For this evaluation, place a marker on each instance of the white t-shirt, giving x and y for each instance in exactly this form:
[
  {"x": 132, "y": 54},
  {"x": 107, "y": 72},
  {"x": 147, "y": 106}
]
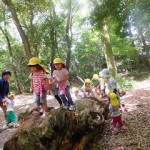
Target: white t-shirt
[
  {"x": 59, "y": 75},
  {"x": 9, "y": 105}
]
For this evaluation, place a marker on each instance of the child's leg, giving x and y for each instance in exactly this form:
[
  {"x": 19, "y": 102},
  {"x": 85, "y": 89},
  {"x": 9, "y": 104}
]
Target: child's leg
[
  {"x": 68, "y": 95},
  {"x": 58, "y": 99},
  {"x": 120, "y": 121},
  {"x": 43, "y": 102},
  {"x": 64, "y": 99},
  {"x": 115, "y": 120},
  {"x": 37, "y": 99}
]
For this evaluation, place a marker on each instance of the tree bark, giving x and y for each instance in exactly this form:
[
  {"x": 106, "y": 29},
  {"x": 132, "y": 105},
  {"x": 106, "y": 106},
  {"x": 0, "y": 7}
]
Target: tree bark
[
  {"x": 22, "y": 34},
  {"x": 108, "y": 49},
  {"x": 53, "y": 37},
  {"x": 60, "y": 129},
  {"x": 5, "y": 33},
  {"x": 69, "y": 34}
]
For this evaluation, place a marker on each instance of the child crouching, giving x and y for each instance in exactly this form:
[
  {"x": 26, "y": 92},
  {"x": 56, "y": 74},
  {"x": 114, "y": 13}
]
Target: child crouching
[{"x": 11, "y": 119}]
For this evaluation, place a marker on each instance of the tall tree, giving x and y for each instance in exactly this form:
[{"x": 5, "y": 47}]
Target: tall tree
[
  {"x": 69, "y": 33},
  {"x": 100, "y": 19},
  {"x": 6, "y": 34},
  {"x": 108, "y": 49},
  {"x": 19, "y": 27}
]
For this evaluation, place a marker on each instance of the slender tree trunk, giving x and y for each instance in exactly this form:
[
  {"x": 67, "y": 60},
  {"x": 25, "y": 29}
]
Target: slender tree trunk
[
  {"x": 69, "y": 34},
  {"x": 137, "y": 58},
  {"x": 19, "y": 28},
  {"x": 108, "y": 49},
  {"x": 5, "y": 33},
  {"x": 145, "y": 46},
  {"x": 53, "y": 37}
]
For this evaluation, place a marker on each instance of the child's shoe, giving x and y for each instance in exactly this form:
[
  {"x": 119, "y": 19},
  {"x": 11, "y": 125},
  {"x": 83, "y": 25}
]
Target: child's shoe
[
  {"x": 15, "y": 125},
  {"x": 72, "y": 108},
  {"x": 5, "y": 126},
  {"x": 10, "y": 125},
  {"x": 115, "y": 131},
  {"x": 44, "y": 115},
  {"x": 65, "y": 107}
]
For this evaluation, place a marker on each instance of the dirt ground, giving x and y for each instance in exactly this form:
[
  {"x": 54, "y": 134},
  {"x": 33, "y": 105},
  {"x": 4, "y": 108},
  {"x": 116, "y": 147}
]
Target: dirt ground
[{"x": 137, "y": 121}]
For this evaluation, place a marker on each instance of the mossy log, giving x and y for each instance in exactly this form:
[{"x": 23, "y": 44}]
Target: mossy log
[{"x": 60, "y": 129}]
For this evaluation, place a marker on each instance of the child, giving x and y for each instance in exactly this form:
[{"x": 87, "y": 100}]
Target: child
[
  {"x": 61, "y": 76},
  {"x": 11, "y": 119},
  {"x": 96, "y": 83},
  {"x": 39, "y": 83},
  {"x": 87, "y": 88},
  {"x": 115, "y": 112}
]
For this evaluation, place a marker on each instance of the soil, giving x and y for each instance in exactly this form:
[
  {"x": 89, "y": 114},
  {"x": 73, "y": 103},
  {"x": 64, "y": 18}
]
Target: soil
[
  {"x": 136, "y": 119},
  {"x": 137, "y": 122}
]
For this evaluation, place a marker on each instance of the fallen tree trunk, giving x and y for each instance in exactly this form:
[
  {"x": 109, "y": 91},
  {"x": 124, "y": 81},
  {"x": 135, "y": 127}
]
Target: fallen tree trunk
[{"x": 60, "y": 129}]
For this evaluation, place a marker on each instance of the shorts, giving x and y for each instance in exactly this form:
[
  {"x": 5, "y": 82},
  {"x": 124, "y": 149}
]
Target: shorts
[
  {"x": 38, "y": 100},
  {"x": 10, "y": 116}
]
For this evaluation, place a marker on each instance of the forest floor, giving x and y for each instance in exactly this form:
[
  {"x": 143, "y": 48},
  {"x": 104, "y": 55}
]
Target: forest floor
[{"x": 137, "y": 121}]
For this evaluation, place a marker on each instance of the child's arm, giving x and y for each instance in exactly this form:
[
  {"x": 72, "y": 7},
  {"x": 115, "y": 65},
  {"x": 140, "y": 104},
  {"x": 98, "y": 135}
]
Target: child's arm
[{"x": 5, "y": 102}]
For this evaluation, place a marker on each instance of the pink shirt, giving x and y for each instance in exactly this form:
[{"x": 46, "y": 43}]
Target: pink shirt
[
  {"x": 59, "y": 75},
  {"x": 38, "y": 80}
]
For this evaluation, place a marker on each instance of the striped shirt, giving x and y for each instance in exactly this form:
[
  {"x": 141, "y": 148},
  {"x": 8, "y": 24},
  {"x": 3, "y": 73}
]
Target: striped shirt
[{"x": 38, "y": 79}]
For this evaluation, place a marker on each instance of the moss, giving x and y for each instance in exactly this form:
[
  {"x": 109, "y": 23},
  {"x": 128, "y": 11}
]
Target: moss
[
  {"x": 22, "y": 139},
  {"x": 79, "y": 106}
]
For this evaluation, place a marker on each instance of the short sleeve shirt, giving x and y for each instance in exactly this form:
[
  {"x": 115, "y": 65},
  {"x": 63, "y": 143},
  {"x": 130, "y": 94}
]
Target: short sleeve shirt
[
  {"x": 59, "y": 74},
  {"x": 37, "y": 79}
]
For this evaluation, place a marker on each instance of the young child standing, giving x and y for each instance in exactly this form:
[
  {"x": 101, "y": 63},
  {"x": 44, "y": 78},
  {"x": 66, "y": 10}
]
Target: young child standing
[
  {"x": 115, "y": 112},
  {"x": 11, "y": 119},
  {"x": 39, "y": 83},
  {"x": 61, "y": 76}
]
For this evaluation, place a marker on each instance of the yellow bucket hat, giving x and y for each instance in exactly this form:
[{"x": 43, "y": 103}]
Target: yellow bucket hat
[
  {"x": 57, "y": 61},
  {"x": 87, "y": 81},
  {"x": 113, "y": 99},
  {"x": 35, "y": 61}
]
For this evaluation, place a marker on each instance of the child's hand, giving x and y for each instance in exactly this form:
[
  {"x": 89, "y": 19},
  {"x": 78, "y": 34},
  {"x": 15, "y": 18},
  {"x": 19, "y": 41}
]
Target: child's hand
[{"x": 4, "y": 100}]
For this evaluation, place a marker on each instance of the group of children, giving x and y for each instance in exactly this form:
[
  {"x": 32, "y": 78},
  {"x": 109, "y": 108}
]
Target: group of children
[
  {"x": 105, "y": 86},
  {"x": 41, "y": 82}
]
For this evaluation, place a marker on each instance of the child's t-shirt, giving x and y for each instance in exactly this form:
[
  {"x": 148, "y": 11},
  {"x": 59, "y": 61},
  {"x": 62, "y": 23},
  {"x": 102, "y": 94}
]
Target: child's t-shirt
[
  {"x": 59, "y": 74},
  {"x": 115, "y": 110},
  {"x": 37, "y": 80},
  {"x": 9, "y": 105}
]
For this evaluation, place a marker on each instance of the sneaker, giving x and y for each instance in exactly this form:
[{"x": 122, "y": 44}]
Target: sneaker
[
  {"x": 43, "y": 116},
  {"x": 16, "y": 125},
  {"x": 5, "y": 126},
  {"x": 10, "y": 125},
  {"x": 65, "y": 107},
  {"x": 115, "y": 131},
  {"x": 72, "y": 107}
]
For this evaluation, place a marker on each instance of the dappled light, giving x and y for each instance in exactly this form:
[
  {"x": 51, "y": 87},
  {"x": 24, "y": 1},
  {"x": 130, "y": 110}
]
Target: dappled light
[{"x": 75, "y": 74}]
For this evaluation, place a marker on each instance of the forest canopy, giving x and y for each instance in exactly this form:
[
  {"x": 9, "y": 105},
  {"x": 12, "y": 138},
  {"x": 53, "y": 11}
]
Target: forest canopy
[{"x": 88, "y": 35}]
